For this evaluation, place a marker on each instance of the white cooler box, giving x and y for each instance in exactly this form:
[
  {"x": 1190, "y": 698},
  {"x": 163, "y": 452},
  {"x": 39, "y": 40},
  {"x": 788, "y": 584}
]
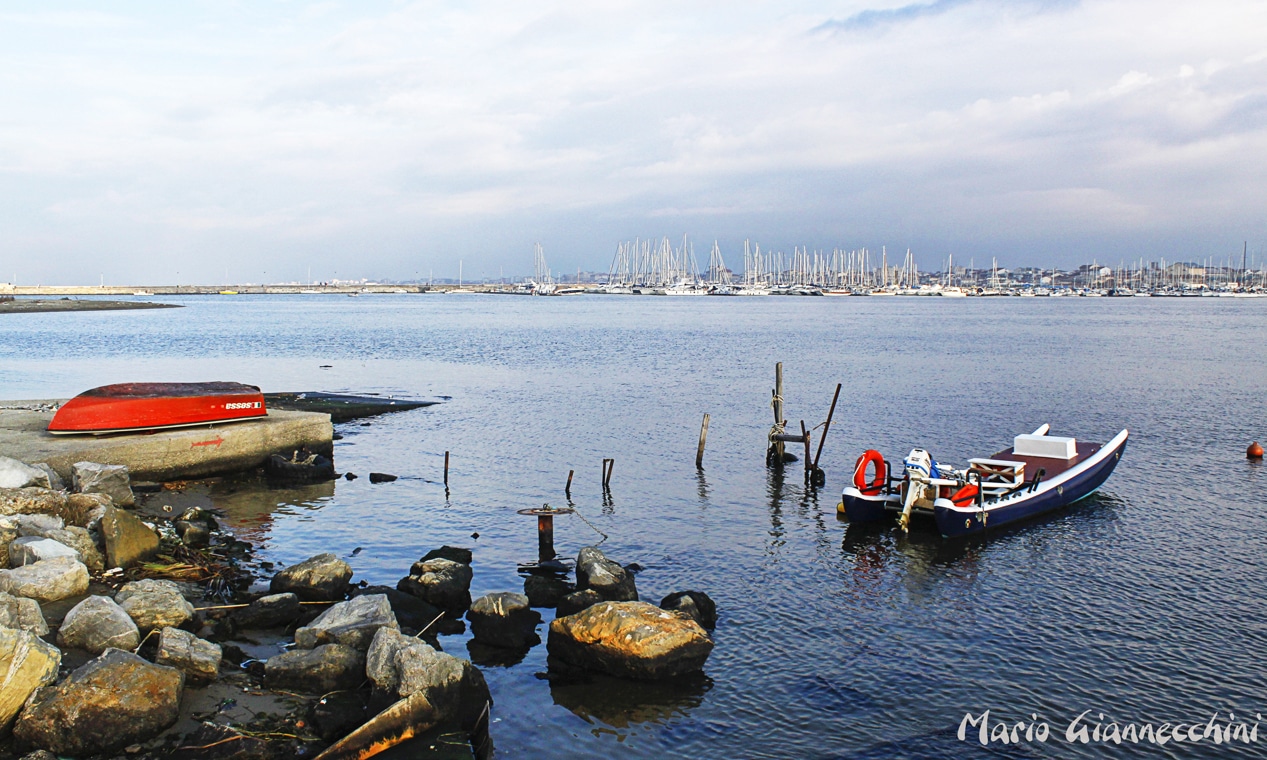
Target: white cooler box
[{"x": 1050, "y": 446}]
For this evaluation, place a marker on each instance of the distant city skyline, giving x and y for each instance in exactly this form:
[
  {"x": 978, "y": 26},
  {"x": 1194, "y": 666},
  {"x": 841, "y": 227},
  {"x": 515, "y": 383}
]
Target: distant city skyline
[{"x": 153, "y": 143}]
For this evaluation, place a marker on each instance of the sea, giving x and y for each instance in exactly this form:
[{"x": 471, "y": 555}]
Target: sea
[{"x": 1143, "y": 605}]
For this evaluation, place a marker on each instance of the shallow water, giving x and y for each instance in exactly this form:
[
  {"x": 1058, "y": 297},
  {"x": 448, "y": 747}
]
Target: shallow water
[{"x": 1142, "y": 603}]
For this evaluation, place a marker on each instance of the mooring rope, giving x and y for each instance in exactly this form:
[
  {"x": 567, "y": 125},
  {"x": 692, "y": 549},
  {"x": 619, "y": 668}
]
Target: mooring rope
[{"x": 577, "y": 512}]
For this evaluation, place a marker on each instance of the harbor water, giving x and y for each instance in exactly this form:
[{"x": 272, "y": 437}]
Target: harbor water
[{"x": 1143, "y": 603}]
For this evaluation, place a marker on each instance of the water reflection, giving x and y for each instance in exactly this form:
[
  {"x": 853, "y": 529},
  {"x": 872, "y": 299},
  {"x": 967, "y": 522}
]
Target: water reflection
[
  {"x": 617, "y": 706},
  {"x": 248, "y": 504}
]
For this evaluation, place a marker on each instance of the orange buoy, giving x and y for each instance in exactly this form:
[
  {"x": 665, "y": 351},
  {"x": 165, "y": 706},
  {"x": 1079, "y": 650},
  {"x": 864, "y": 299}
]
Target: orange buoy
[{"x": 1254, "y": 451}]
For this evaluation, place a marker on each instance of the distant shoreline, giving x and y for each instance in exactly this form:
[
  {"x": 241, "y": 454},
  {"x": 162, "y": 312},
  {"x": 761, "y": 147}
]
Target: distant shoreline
[{"x": 29, "y": 306}]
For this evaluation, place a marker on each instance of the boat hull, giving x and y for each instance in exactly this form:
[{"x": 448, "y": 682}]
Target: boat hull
[{"x": 131, "y": 407}]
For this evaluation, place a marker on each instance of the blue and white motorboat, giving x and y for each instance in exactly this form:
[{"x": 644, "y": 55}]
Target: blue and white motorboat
[{"x": 1037, "y": 474}]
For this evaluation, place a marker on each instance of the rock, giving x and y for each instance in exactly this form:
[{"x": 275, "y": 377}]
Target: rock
[
  {"x": 30, "y": 501},
  {"x": 109, "y": 479},
  {"x": 37, "y": 524},
  {"x": 272, "y": 611},
  {"x": 402, "y": 666},
  {"x": 86, "y": 509},
  {"x": 8, "y": 534},
  {"x": 453, "y": 553},
  {"x": 127, "y": 539},
  {"x": 29, "y": 549},
  {"x": 317, "y": 671},
  {"x": 381, "y": 477},
  {"x": 54, "y": 480},
  {"x": 352, "y": 623},
  {"x": 26, "y": 663},
  {"x": 15, "y": 474},
  {"x": 154, "y": 604},
  {"x": 442, "y": 582},
  {"x": 189, "y": 654},
  {"x": 39, "y": 754},
  {"x": 82, "y": 542},
  {"x": 97, "y": 624},
  {"x": 336, "y": 715},
  {"x": 193, "y": 534},
  {"x": 46, "y": 581},
  {"x": 504, "y": 620},
  {"x": 323, "y": 578},
  {"x": 212, "y": 741},
  {"x": 610, "y": 580},
  {"x": 577, "y": 601},
  {"x": 22, "y": 614},
  {"x": 410, "y": 611},
  {"x": 631, "y": 640},
  {"x": 108, "y": 703},
  {"x": 697, "y": 604},
  {"x": 546, "y": 592}
]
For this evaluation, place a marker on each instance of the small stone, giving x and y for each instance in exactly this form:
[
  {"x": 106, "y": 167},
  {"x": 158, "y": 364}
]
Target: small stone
[
  {"x": 22, "y": 614},
  {"x": 577, "y": 601},
  {"x": 109, "y": 479},
  {"x": 504, "y": 620},
  {"x": 327, "y": 668},
  {"x": 191, "y": 655},
  {"x": 86, "y": 509},
  {"x": 46, "y": 581},
  {"x": 352, "y": 623},
  {"x": 451, "y": 553},
  {"x": 97, "y": 624},
  {"x": 193, "y": 534},
  {"x": 272, "y": 611},
  {"x": 30, "y": 549},
  {"x": 323, "y": 578},
  {"x": 410, "y": 611},
  {"x": 381, "y": 477},
  {"x": 696, "y": 604},
  {"x": 108, "y": 703},
  {"x": 154, "y": 604},
  {"x": 26, "y": 663},
  {"x": 127, "y": 539}
]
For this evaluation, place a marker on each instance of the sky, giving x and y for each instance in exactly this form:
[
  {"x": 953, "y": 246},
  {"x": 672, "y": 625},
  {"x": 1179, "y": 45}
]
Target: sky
[{"x": 234, "y": 142}]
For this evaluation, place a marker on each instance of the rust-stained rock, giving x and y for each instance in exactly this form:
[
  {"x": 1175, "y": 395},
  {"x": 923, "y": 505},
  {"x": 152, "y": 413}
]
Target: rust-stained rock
[
  {"x": 630, "y": 639},
  {"x": 127, "y": 539},
  {"x": 110, "y": 702},
  {"x": 26, "y": 663}
]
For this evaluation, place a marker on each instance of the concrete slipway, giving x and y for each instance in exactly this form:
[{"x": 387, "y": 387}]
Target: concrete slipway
[{"x": 162, "y": 455}]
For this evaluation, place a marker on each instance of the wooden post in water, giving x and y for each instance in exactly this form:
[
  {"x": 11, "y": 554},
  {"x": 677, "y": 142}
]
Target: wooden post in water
[
  {"x": 805, "y": 436},
  {"x": 608, "y": 466},
  {"x": 703, "y": 437},
  {"x": 779, "y": 422},
  {"x": 567, "y": 490},
  {"x": 446, "y": 469}
]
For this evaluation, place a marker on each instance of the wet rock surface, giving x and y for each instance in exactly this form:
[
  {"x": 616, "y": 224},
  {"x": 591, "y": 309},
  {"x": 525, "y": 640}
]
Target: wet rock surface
[
  {"x": 631, "y": 640},
  {"x": 321, "y": 578},
  {"x": 107, "y": 704},
  {"x": 595, "y": 571},
  {"x": 352, "y": 623},
  {"x": 577, "y": 601},
  {"x": 543, "y": 591},
  {"x": 272, "y": 611},
  {"x": 441, "y": 582},
  {"x": 317, "y": 671},
  {"x": 698, "y": 605},
  {"x": 504, "y": 620}
]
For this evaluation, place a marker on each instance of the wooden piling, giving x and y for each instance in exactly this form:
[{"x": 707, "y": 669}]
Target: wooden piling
[
  {"x": 779, "y": 422},
  {"x": 703, "y": 438},
  {"x": 817, "y": 477},
  {"x": 446, "y": 469},
  {"x": 608, "y": 466},
  {"x": 567, "y": 490},
  {"x": 805, "y": 436}
]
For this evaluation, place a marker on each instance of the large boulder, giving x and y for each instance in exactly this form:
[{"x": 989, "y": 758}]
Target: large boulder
[
  {"x": 352, "y": 623},
  {"x": 15, "y": 474},
  {"x": 327, "y": 668},
  {"x": 412, "y": 612},
  {"x": 698, "y": 605},
  {"x": 109, "y": 479},
  {"x": 26, "y": 663},
  {"x": 401, "y": 666},
  {"x": 46, "y": 581},
  {"x": 442, "y": 582},
  {"x": 127, "y": 539},
  {"x": 197, "y": 659},
  {"x": 97, "y": 624},
  {"x": 631, "y": 640},
  {"x": 108, "y": 703},
  {"x": 323, "y": 578},
  {"x": 154, "y": 604},
  {"x": 31, "y": 549},
  {"x": 504, "y": 620},
  {"x": 272, "y": 611},
  {"x": 609, "y": 579},
  {"x": 22, "y": 614}
]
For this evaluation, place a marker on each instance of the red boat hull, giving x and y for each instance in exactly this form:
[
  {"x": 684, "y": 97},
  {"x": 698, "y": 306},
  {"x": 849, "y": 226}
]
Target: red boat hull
[{"x": 128, "y": 407}]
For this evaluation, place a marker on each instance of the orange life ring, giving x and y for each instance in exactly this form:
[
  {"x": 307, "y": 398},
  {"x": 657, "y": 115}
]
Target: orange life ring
[
  {"x": 965, "y": 496},
  {"x": 870, "y": 456}
]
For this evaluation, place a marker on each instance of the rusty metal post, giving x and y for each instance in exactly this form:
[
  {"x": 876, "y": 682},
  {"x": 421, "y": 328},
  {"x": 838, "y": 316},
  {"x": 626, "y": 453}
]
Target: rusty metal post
[{"x": 545, "y": 538}]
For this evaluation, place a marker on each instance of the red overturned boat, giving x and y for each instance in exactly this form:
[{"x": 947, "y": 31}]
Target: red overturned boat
[{"x": 131, "y": 407}]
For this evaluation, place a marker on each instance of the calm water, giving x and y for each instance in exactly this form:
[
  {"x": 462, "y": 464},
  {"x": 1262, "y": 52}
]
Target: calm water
[{"x": 1144, "y": 603}]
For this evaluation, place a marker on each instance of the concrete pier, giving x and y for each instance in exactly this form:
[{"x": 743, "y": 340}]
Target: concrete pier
[{"x": 162, "y": 455}]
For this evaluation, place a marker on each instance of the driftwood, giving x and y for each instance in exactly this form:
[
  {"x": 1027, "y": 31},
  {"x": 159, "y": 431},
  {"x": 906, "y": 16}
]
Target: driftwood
[{"x": 399, "y": 723}]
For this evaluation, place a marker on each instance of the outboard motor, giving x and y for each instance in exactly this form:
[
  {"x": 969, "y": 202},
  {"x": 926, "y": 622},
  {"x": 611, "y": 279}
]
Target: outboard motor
[{"x": 920, "y": 469}]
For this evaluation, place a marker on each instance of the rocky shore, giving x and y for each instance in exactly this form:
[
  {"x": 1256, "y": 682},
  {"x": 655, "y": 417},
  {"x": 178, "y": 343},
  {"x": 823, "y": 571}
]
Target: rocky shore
[
  {"x": 35, "y": 305},
  {"x": 125, "y": 634}
]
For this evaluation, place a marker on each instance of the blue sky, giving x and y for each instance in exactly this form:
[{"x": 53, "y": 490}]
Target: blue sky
[{"x": 164, "y": 142}]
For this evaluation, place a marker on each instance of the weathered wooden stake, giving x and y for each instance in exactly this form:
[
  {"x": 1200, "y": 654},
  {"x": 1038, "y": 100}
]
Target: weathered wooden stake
[
  {"x": 567, "y": 490},
  {"x": 826, "y": 426},
  {"x": 703, "y": 437},
  {"x": 446, "y": 469},
  {"x": 778, "y": 410},
  {"x": 608, "y": 466},
  {"x": 805, "y": 436}
]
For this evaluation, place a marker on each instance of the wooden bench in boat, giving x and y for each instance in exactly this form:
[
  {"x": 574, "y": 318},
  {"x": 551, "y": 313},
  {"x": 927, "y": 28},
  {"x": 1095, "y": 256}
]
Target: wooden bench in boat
[{"x": 998, "y": 474}]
